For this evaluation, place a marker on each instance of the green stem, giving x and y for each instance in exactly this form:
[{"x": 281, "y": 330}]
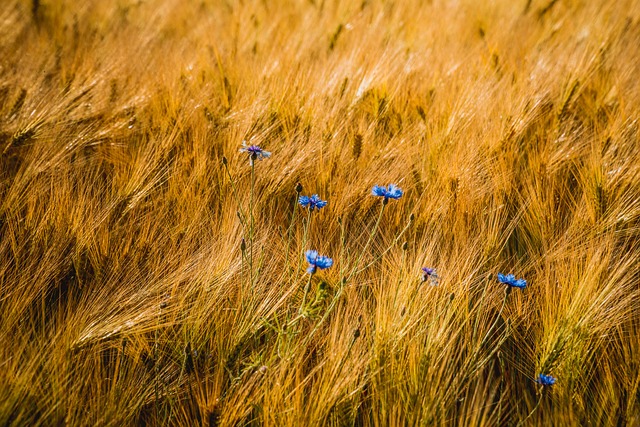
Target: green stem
[
  {"x": 235, "y": 196},
  {"x": 326, "y": 314},
  {"x": 293, "y": 218},
  {"x": 306, "y": 292},
  {"x": 304, "y": 241},
  {"x": 343, "y": 281},
  {"x": 253, "y": 180},
  {"x": 243, "y": 260}
]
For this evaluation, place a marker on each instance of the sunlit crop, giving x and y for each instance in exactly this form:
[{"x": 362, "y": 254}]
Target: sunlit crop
[{"x": 319, "y": 212}]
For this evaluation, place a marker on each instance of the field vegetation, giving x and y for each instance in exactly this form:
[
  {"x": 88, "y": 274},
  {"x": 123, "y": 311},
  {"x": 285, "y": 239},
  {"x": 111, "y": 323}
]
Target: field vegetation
[{"x": 151, "y": 273}]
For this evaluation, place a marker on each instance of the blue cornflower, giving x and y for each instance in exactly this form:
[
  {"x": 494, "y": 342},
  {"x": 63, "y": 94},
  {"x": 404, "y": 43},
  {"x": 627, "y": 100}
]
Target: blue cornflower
[
  {"x": 429, "y": 274},
  {"x": 317, "y": 261},
  {"x": 545, "y": 380},
  {"x": 312, "y": 202},
  {"x": 390, "y": 192},
  {"x": 255, "y": 152},
  {"x": 510, "y": 280}
]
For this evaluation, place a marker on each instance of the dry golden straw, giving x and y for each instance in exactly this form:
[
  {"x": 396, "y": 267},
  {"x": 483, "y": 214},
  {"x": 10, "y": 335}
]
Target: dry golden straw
[{"x": 145, "y": 281}]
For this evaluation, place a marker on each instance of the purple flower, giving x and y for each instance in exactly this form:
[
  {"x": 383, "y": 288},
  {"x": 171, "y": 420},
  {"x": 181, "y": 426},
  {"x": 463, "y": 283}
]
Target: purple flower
[
  {"x": 510, "y": 280},
  {"x": 255, "y": 152},
  {"x": 428, "y": 271},
  {"x": 317, "y": 261},
  {"x": 429, "y": 274},
  {"x": 390, "y": 192},
  {"x": 312, "y": 202},
  {"x": 545, "y": 380}
]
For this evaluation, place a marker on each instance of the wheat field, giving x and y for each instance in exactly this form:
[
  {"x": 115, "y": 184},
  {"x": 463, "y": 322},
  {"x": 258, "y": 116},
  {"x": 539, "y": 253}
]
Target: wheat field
[{"x": 151, "y": 273}]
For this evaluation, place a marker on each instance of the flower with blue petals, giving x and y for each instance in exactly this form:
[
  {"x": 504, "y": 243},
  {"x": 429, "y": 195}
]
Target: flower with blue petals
[
  {"x": 255, "y": 152},
  {"x": 389, "y": 192},
  {"x": 429, "y": 274},
  {"x": 511, "y": 281},
  {"x": 312, "y": 202},
  {"x": 317, "y": 261},
  {"x": 545, "y": 380}
]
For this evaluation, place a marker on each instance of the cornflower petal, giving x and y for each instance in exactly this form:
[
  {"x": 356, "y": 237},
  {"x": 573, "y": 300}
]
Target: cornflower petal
[
  {"x": 511, "y": 281},
  {"x": 304, "y": 200},
  {"x": 428, "y": 271},
  {"x": 390, "y": 192},
  {"x": 317, "y": 261},
  {"x": 429, "y": 274},
  {"x": 313, "y": 202},
  {"x": 379, "y": 191},
  {"x": 254, "y": 150},
  {"x": 545, "y": 380},
  {"x": 311, "y": 256}
]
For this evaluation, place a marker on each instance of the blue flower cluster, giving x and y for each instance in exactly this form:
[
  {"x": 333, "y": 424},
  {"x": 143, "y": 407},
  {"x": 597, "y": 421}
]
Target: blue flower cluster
[
  {"x": 545, "y": 380},
  {"x": 312, "y": 202},
  {"x": 429, "y": 274},
  {"x": 317, "y": 261},
  {"x": 511, "y": 281},
  {"x": 391, "y": 191}
]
